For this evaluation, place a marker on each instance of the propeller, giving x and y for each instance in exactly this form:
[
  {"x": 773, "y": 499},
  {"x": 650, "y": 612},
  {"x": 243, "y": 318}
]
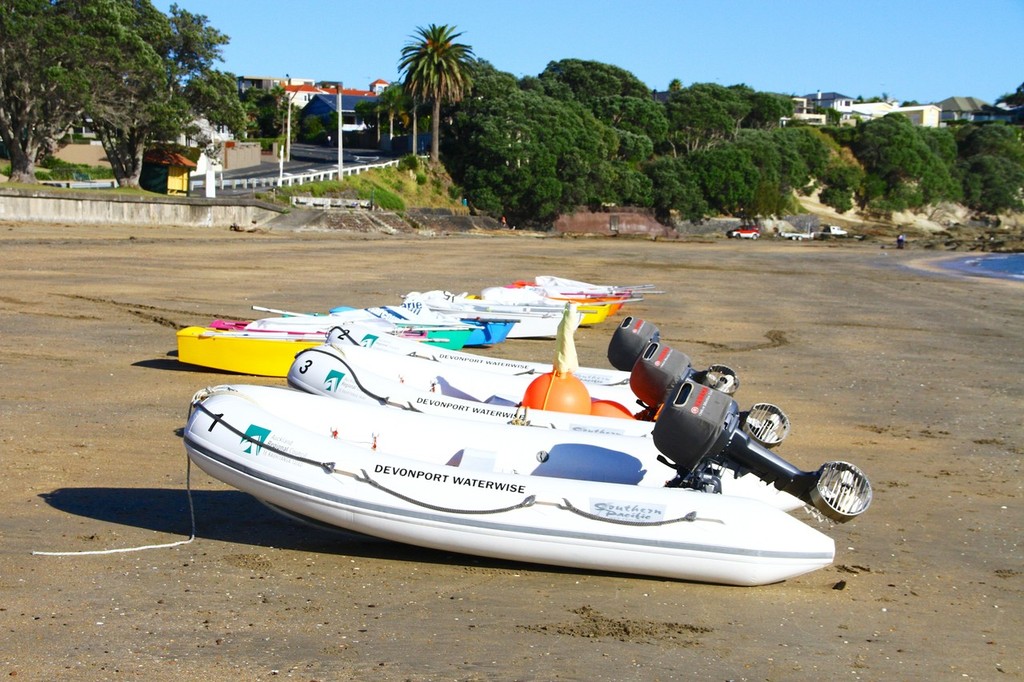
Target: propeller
[{"x": 698, "y": 425}]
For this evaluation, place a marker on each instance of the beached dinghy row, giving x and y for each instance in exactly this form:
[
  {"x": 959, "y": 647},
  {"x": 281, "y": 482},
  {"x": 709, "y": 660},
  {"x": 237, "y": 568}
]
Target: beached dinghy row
[{"x": 648, "y": 468}]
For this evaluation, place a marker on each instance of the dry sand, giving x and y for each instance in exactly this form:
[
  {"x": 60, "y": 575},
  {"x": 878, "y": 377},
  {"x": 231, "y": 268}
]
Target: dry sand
[{"x": 914, "y": 375}]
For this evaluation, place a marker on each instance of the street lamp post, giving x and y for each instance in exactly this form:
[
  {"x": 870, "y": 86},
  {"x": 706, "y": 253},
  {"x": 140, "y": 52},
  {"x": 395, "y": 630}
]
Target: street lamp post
[
  {"x": 288, "y": 132},
  {"x": 341, "y": 143}
]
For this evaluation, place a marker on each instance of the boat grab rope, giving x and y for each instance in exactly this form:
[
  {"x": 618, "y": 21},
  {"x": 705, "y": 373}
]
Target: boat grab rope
[
  {"x": 528, "y": 501},
  {"x": 199, "y": 395},
  {"x": 191, "y": 537},
  {"x": 688, "y": 518},
  {"x": 328, "y": 467},
  {"x": 381, "y": 399},
  {"x": 340, "y": 334}
]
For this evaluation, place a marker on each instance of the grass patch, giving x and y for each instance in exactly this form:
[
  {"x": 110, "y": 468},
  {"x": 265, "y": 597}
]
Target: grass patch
[{"x": 392, "y": 189}]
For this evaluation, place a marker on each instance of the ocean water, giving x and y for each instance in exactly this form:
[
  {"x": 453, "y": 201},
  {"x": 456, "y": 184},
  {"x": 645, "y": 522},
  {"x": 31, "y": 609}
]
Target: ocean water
[{"x": 1000, "y": 265}]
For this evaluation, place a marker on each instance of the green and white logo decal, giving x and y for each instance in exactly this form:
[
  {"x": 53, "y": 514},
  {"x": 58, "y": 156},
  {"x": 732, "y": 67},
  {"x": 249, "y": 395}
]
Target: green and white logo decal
[
  {"x": 255, "y": 435},
  {"x": 333, "y": 381},
  {"x": 368, "y": 340}
]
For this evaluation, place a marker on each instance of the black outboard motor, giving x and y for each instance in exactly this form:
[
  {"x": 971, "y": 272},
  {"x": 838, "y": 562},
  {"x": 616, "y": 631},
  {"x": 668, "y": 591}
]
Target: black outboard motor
[
  {"x": 700, "y": 428},
  {"x": 629, "y": 340},
  {"x": 656, "y": 370},
  {"x": 660, "y": 366}
]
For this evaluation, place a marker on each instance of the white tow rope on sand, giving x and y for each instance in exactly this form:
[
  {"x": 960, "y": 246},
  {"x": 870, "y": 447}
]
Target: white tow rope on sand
[{"x": 192, "y": 536}]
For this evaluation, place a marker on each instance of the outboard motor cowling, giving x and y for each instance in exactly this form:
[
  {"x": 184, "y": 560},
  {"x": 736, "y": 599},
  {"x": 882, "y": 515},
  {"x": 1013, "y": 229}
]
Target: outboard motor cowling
[
  {"x": 698, "y": 426},
  {"x": 657, "y": 369},
  {"x": 689, "y": 438},
  {"x": 629, "y": 340}
]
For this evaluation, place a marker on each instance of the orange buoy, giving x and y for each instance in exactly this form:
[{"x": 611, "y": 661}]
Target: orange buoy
[
  {"x": 609, "y": 408},
  {"x": 558, "y": 392}
]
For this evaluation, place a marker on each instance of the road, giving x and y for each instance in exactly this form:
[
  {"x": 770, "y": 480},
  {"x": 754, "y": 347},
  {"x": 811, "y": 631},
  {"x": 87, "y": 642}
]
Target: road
[{"x": 305, "y": 158}]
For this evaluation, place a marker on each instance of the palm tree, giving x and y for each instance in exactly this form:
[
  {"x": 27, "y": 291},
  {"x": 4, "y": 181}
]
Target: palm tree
[
  {"x": 392, "y": 103},
  {"x": 435, "y": 68}
]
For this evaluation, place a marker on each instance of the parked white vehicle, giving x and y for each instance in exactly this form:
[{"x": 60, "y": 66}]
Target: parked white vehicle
[
  {"x": 830, "y": 231},
  {"x": 825, "y": 232}
]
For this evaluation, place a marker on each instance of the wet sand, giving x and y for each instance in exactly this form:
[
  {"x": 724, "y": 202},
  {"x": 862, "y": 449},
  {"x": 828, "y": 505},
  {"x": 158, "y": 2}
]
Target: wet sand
[{"x": 913, "y": 374}]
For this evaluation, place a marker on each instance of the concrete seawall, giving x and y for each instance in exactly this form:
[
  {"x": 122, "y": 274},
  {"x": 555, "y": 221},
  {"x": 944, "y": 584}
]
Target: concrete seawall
[{"x": 102, "y": 208}]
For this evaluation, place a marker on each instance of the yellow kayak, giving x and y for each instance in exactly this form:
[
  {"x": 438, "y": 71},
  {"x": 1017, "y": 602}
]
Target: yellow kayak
[
  {"x": 256, "y": 353},
  {"x": 593, "y": 313}
]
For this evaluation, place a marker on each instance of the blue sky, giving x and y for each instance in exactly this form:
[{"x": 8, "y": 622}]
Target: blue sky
[{"x": 924, "y": 51}]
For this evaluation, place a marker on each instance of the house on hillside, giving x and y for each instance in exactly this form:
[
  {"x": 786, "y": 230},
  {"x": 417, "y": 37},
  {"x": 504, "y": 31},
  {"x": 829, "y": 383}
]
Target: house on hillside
[
  {"x": 842, "y": 104},
  {"x": 804, "y": 111},
  {"x": 830, "y": 100},
  {"x": 269, "y": 82},
  {"x": 325, "y": 103},
  {"x": 301, "y": 95},
  {"x": 924, "y": 115},
  {"x": 301, "y": 91},
  {"x": 977, "y": 111},
  {"x": 850, "y": 110}
]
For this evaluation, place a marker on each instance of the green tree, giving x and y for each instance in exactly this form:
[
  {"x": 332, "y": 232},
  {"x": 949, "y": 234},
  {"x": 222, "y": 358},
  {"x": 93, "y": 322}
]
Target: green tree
[
  {"x": 436, "y": 70},
  {"x": 586, "y": 81},
  {"x": 48, "y": 51},
  {"x": 674, "y": 190},
  {"x": 767, "y": 110},
  {"x": 265, "y": 111},
  {"x": 995, "y": 139},
  {"x": 312, "y": 130},
  {"x": 162, "y": 87},
  {"x": 1015, "y": 98},
  {"x": 728, "y": 179},
  {"x": 772, "y": 190},
  {"x": 992, "y": 184},
  {"x": 990, "y": 166},
  {"x": 531, "y": 157},
  {"x": 636, "y": 115},
  {"x": 841, "y": 178},
  {"x": 704, "y": 116},
  {"x": 393, "y": 103},
  {"x": 806, "y": 151},
  {"x": 902, "y": 170}
]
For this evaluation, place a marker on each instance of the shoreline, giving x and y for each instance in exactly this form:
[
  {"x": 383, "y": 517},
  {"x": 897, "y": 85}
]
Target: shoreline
[
  {"x": 972, "y": 267},
  {"x": 955, "y": 265}
]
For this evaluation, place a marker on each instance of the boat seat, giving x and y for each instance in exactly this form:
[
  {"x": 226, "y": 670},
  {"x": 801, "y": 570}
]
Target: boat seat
[
  {"x": 448, "y": 390},
  {"x": 585, "y": 462},
  {"x": 473, "y": 458}
]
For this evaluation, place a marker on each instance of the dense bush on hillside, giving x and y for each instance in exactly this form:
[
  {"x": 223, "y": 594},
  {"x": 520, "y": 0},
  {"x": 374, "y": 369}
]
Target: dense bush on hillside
[{"x": 586, "y": 133}]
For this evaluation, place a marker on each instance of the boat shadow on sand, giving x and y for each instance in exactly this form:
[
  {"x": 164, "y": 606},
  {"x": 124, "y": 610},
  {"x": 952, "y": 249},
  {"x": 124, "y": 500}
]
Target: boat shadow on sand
[
  {"x": 171, "y": 363},
  {"x": 235, "y": 517}
]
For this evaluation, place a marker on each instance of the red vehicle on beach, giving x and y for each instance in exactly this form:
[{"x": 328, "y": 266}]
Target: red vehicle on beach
[{"x": 745, "y": 232}]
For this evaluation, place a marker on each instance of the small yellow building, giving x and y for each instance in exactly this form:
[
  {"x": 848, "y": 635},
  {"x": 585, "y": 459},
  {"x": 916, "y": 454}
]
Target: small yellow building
[{"x": 166, "y": 172}]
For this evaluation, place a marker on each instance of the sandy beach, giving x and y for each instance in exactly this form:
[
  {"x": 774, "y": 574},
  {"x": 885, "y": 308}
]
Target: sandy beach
[{"x": 879, "y": 358}]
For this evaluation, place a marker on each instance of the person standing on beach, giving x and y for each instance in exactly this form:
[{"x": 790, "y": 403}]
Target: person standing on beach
[{"x": 900, "y": 241}]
